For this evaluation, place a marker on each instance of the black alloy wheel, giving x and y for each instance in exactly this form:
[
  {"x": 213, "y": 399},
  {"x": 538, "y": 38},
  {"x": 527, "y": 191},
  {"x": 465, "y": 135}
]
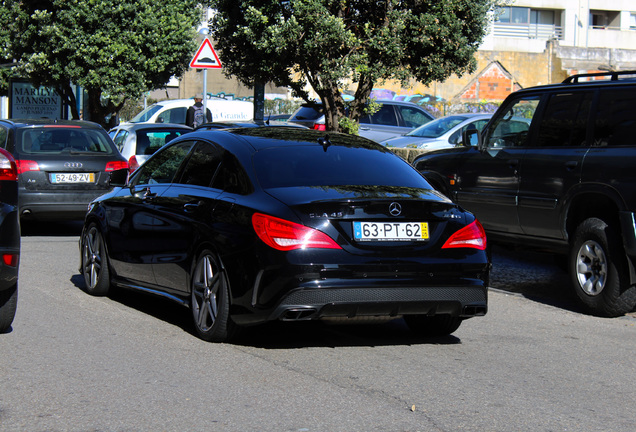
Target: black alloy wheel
[
  {"x": 209, "y": 300},
  {"x": 598, "y": 270},
  {"x": 95, "y": 262}
]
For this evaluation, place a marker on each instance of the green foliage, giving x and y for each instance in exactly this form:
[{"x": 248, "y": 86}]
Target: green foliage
[
  {"x": 330, "y": 43},
  {"x": 114, "y": 49}
]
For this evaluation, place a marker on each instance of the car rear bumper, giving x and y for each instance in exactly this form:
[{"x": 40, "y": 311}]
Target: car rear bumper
[{"x": 56, "y": 205}]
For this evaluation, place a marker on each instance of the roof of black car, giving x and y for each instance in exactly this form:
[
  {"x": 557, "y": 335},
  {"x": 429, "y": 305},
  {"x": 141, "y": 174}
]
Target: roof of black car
[
  {"x": 265, "y": 137},
  {"x": 45, "y": 122}
]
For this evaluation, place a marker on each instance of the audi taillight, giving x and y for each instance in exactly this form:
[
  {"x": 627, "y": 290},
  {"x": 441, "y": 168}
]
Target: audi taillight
[
  {"x": 116, "y": 165},
  {"x": 8, "y": 166},
  {"x": 285, "y": 235},
  {"x": 26, "y": 166},
  {"x": 471, "y": 236},
  {"x": 320, "y": 127}
]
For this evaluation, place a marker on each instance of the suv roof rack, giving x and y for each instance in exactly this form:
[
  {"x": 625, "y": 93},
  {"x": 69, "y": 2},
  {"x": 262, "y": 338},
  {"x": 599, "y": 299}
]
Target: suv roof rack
[{"x": 613, "y": 76}]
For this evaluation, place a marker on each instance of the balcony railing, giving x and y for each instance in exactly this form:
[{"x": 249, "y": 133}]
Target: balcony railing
[{"x": 528, "y": 31}]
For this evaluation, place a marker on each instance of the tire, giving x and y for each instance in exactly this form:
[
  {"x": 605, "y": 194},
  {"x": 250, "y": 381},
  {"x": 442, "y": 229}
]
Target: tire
[
  {"x": 95, "y": 262},
  {"x": 210, "y": 300},
  {"x": 8, "y": 306},
  {"x": 598, "y": 270},
  {"x": 433, "y": 326}
]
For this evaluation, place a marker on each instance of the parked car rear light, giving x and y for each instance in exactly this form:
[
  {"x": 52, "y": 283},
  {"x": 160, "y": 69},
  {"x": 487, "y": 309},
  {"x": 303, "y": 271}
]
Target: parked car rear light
[
  {"x": 285, "y": 235},
  {"x": 27, "y": 165},
  {"x": 116, "y": 165},
  {"x": 10, "y": 259},
  {"x": 8, "y": 167},
  {"x": 132, "y": 164},
  {"x": 320, "y": 127},
  {"x": 471, "y": 236}
]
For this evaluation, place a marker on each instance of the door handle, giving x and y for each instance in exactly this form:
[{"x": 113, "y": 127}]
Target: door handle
[
  {"x": 570, "y": 165},
  {"x": 190, "y": 207}
]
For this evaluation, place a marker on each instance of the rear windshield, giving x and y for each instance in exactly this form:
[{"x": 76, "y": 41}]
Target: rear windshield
[
  {"x": 337, "y": 166},
  {"x": 59, "y": 139},
  {"x": 308, "y": 113},
  {"x": 149, "y": 141}
]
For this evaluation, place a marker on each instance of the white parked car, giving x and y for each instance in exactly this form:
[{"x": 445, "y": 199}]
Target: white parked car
[
  {"x": 174, "y": 111},
  {"x": 137, "y": 141},
  {"x": 444, "y": 132}
]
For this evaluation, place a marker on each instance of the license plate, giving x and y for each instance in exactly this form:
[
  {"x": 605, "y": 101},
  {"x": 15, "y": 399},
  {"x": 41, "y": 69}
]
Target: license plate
[
  {"x": 73, "y": 178},
  {"x": 390, "y": 231}
]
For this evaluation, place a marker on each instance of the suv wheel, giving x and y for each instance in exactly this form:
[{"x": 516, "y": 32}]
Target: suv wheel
[{"x": 599, "y": 271}]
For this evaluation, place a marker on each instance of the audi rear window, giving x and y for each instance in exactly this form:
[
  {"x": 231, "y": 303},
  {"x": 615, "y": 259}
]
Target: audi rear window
[{"x": 59, "y": 140}]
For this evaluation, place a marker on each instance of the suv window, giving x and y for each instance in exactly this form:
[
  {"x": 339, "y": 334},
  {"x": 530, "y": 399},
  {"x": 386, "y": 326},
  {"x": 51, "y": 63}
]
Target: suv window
[
  {"x": 615, "y": 123},
  {"x": 412, "y": 117},
  {"x": 565, "y": 120},
  {"x": 510, "y": 127},
  {"x": 384, "y": 116}
]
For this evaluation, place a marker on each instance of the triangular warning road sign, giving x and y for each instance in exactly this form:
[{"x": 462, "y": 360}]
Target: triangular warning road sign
[{"x": 206, "y": 57}]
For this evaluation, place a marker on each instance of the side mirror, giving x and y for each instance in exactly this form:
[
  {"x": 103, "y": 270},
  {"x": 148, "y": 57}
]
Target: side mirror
[
  {"x": 118, "y": 178},
  {"x": 159, "y": 120},
  {"x": 471, "y": 137}
]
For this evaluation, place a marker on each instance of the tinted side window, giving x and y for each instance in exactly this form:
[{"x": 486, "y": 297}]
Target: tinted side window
[
  {"x": 565, "y": 120},
  {"x": 3, "y": 137},
  {"x": 120, "y": 138},
  {"x": 615, "y": 123},
  {"x": 173, "y": 115},
  {"x": 202, "y": 165},
  {"x": 413, "y": 117},
  {"x": 384, "y": 116},
  {"x": 510, "y": 127},
  {"x": 231, "y": 176},
  {"x": 163, "y": 166}
]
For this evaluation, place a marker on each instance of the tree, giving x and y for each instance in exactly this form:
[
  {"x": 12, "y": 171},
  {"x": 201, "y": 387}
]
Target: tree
[
  {"x": 329, "y": 43},
  {"x": 113, "y": 49}
]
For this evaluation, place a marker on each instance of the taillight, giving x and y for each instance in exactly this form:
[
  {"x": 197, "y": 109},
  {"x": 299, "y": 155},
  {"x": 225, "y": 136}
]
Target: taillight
[
  {"x": 116, "y": 165},
  {"x": 8, "y": 166},
  {"x": 10, "y": 259},
  {"x": 285, "y": 235},
  {"x": 27, "y": 165},
  {"x": 132, "y": 164},
  {"x": 471, "y": 236},
  {"x": 320, "y": 127}
]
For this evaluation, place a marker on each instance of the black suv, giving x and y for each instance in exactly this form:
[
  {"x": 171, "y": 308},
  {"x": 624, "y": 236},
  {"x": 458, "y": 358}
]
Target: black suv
[{"x": 564, "y": 183}]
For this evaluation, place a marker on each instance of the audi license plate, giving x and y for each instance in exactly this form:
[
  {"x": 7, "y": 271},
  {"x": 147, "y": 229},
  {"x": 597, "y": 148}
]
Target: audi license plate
[
  {"x": 395, "y": 231},
  {"x": 73, "y": 178}
]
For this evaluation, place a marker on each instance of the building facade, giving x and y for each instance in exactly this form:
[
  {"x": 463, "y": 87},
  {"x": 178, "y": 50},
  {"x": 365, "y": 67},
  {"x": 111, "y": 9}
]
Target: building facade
[{"x": 534, "y": 42}]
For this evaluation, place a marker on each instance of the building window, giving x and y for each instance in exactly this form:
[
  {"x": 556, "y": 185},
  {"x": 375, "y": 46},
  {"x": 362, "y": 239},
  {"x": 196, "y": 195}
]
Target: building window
[
  {"x": 513, "y": 15},
  {"x": 605, "y": 19},
  {"x": 632, "y": 21}
]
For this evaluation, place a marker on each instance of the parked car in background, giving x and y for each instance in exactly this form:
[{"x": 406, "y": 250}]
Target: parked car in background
[
  {"x": 444, "y": 132},
  {"x": 9, "y": 236},
  {"x": 251, "y": 225},
  {"x": 394, "y": 118},
  {"x": 137, "y": 141},
  {"x": 62, "y": 165},
  {"x": 175, "y": 110},
  {"x": 562, "y": 183}
]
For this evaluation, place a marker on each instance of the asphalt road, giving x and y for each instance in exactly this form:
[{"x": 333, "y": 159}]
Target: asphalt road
[{"x": 131, "y": 363}]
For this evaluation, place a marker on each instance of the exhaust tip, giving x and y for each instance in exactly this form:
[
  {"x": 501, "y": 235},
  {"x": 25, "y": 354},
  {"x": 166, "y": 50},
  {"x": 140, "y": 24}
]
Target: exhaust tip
[
  {"x": 471, "y": 311},
  {"x": 298, "y": 314}
]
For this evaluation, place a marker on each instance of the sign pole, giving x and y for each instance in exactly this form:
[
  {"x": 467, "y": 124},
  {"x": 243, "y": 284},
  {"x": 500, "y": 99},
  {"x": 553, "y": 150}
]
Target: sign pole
[{"x": 205, "y": 95}]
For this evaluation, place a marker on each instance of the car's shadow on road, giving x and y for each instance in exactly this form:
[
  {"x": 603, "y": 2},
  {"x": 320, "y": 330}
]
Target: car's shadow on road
[
  {"x": 282, "y": 335},
  {"x": 539, "y": 277},
  {"x": 50, "y": 228}
]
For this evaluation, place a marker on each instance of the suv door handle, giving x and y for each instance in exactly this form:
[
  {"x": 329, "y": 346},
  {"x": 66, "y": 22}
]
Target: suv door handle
[
  {"x": 570, "y": 165},
  {"x": 190, "y": 207}
]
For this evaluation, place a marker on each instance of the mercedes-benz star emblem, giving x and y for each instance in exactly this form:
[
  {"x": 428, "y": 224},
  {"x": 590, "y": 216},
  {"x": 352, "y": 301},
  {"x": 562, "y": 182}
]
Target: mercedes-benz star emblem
[{"x": 395, "y": 209}]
